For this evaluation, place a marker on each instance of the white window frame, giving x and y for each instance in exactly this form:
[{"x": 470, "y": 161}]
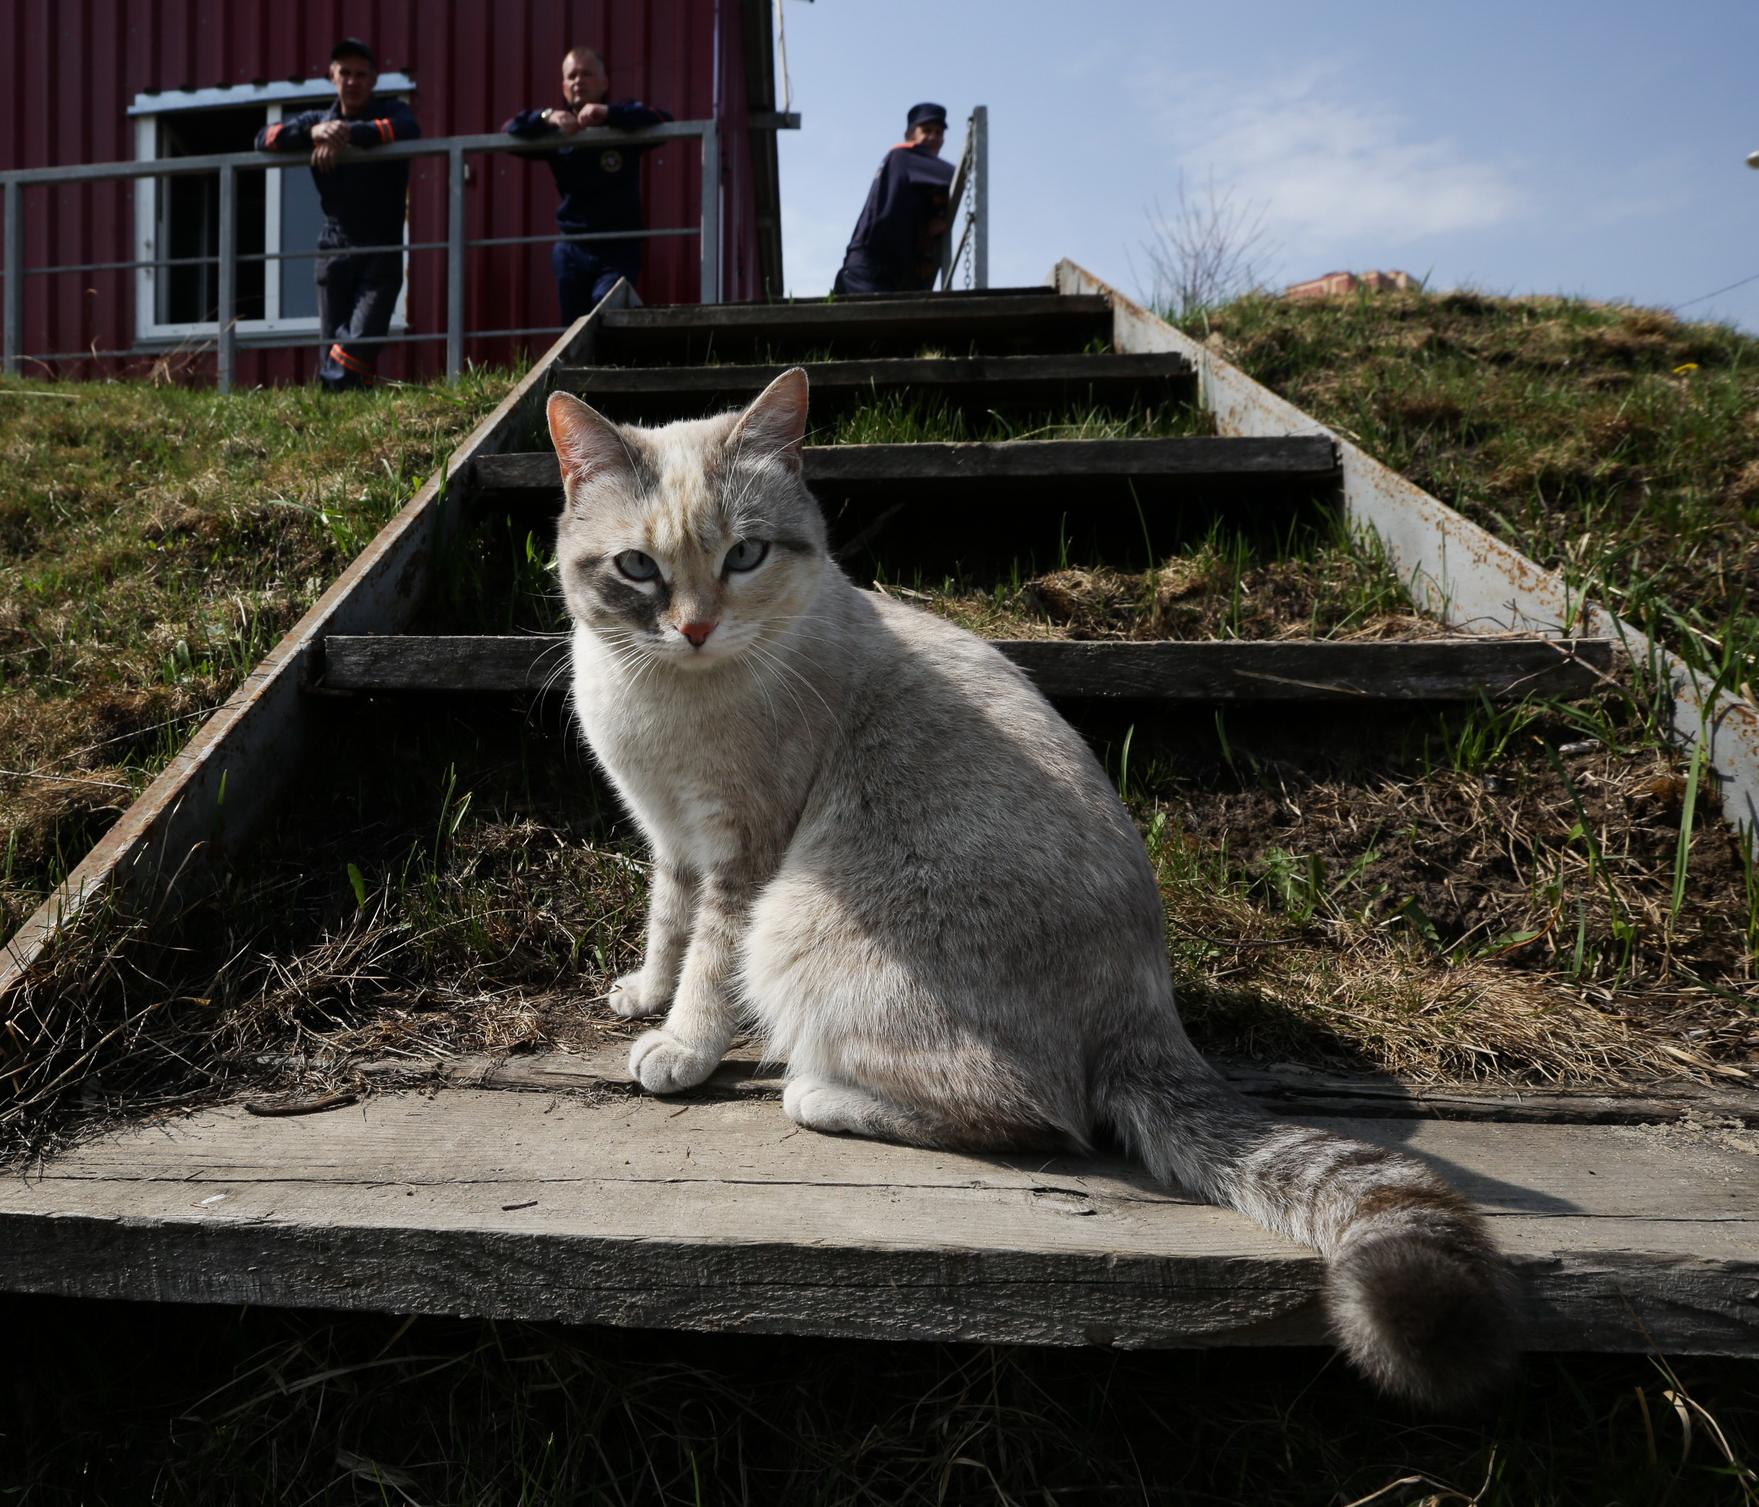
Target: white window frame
[{"x": 276, "y": 98}]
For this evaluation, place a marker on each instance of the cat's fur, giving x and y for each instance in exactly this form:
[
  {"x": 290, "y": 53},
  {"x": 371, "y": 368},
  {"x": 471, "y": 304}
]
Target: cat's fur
[{"x": 876, "y": 842}]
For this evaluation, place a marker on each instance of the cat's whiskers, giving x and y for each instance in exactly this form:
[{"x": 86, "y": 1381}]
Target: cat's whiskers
[
  {"x": 774, "y": 651},
  {"x": 766, "y": 658}
]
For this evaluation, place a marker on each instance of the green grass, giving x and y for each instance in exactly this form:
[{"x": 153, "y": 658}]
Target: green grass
[
  {"x": 154, "y": 543},
  {"x": 1612, "y": 443},
  {"x": 897, "y": 420}
]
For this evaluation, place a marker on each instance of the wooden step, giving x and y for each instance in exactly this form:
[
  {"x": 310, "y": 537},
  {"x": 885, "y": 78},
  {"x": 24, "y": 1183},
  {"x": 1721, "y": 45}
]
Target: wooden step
[
  {"x": 972, "y": 385},
  {"x": 1226, "y": 670},
  {"x": 710, "y": 1211},
  {"x": 1079, "y": 471},
  {"x": 1035, "y": 322}
]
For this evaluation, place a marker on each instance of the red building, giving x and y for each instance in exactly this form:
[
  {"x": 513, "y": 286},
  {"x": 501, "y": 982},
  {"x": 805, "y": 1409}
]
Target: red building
[{"x": 127, "y": 80}]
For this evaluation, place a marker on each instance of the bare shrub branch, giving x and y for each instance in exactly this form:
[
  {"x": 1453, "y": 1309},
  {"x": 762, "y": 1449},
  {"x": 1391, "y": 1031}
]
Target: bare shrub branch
[{"x": 1211, "y": 249}]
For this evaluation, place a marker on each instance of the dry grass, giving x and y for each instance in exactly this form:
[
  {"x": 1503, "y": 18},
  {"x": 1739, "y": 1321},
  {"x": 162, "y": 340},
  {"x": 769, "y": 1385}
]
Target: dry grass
[
  {"x": 154, "y": 1403},
  {"x": 154, "y": 542},
  {"x": 1610, "y": 442}
]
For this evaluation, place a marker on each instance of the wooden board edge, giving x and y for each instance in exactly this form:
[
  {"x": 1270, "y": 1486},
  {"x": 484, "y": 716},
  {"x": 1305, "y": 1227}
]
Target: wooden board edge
[
  {"x": 1286, "y": 1090},
  {"x": 1592, "y": 1300}
]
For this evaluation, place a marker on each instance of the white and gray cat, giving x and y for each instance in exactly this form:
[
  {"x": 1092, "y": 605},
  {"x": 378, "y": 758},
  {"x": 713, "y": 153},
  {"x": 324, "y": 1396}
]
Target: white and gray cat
[{"x": 877, "y": 844}]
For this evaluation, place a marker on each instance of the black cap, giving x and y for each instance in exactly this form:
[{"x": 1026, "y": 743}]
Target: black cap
[
  {"x": 923, "y": 114},
  {"x": 353, "y": 47}
]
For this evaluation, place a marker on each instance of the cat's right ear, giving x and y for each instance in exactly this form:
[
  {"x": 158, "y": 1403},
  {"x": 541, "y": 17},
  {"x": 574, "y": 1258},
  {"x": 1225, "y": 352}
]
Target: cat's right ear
[{"x": 588, "y": 444}]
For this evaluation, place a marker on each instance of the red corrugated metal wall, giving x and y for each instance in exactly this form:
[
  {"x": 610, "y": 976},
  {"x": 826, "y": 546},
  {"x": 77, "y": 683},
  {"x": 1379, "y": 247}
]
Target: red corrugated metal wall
[{"x": 78, "y": 64}]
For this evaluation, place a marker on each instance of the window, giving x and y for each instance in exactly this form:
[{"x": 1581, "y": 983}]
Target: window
[{"x": 177, "y": 219}]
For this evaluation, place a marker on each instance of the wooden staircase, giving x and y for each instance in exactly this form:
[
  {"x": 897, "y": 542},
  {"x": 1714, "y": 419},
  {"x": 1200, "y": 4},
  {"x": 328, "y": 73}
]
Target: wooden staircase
[{"x": 488, "y": 1194}]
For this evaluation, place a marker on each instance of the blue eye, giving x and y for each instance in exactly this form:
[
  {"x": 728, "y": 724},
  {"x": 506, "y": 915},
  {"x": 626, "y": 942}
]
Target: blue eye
[
  {"x": 635, "y": 565},
  {"x": 747, "y": 554}
]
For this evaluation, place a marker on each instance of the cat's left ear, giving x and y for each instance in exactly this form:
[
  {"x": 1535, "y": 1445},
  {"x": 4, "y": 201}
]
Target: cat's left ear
[
  {"x": 775, "y": 423},
  {"x": 587, "y": 443}
]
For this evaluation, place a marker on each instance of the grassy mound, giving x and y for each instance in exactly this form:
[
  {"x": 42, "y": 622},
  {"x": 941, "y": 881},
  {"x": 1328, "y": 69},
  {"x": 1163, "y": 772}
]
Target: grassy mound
[
  {"x": 1612, "y": 443},
  {"x": 154, "y": 543}
]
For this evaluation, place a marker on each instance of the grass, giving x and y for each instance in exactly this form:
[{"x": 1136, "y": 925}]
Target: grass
[
  {"x": 154, "y": 543},
  {"x": 1612, "y": 443},
  {"x": 1310, "y": 579},
  {"x": 256, "y": 1406}
]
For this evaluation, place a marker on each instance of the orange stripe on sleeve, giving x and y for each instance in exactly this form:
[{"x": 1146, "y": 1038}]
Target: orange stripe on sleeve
[
  {"x": 269, "y": 140},
  {"x": 386, "y": 131}
]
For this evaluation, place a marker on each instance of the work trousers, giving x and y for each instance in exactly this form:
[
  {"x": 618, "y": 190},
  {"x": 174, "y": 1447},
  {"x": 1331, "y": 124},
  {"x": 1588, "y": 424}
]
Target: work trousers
[
  {"x": 584, "y": 276},
  {"x": 356, "y": 296}
]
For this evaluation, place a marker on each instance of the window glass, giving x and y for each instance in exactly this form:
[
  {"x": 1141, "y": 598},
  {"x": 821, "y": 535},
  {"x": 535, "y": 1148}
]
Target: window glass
[
  {"x": 189, "y": 218},
  {"x": 301, "y": 220}
]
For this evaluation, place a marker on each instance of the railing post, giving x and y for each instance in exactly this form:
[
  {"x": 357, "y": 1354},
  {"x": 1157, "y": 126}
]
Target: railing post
[
  {"x": 980, "y": 204},
  {"x": 454, "y": 264},
  {"x": 14, "y": 336},
  {"x": 711, "y": 215},
  {"x": 228, "y": 275}
]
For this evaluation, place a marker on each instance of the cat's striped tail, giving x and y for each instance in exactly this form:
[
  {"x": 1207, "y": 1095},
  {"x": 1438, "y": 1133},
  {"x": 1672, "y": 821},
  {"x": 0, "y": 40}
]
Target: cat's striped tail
[{"x": 1417, "y": 1294}]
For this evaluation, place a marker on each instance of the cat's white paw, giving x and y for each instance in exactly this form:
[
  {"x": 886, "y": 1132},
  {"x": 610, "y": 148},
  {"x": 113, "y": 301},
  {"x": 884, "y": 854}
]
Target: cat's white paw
[
  {"x": 630, "y": 998},
  {"x": 662, "y": 1064},
  {"x": 826, "y": 1107}
]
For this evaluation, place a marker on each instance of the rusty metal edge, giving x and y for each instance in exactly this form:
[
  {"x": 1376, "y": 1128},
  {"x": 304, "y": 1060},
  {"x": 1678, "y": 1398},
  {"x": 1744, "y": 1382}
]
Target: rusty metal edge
[
  {"x": 1457, "y": 572},
  {"x": 233, "y": 767}
]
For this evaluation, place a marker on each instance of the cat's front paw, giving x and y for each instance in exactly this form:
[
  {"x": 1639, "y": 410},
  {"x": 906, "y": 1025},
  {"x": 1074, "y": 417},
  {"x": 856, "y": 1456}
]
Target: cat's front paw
[
  {"x": 633, "y": 999},
  {"x": 662, "y": 1064}
]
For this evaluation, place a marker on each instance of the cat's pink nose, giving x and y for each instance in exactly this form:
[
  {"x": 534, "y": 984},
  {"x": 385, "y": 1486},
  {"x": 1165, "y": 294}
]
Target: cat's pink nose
[{"x": 697, "y": 633}]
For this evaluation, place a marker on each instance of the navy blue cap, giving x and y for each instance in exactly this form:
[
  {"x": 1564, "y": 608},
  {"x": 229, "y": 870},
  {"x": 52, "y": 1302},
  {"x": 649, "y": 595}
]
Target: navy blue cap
[
  {"x": 922, "y": 114},
  {"x": 353, "y": 47}
]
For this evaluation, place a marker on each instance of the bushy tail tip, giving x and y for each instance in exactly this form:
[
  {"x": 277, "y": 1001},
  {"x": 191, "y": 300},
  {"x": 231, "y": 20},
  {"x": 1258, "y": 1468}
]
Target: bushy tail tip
[{"x": 1429, "y": 1319}]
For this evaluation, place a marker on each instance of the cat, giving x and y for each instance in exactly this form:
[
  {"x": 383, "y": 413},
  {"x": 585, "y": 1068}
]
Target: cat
[{"x": 875, "y": 842}]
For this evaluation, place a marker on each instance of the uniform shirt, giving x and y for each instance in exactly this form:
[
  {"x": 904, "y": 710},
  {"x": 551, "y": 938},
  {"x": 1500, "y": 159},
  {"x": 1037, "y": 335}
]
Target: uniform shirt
[
  {"x": 600, "y": 182},
  {"x": 900, "y": 225},
  {"x": 364, "y": 200}
]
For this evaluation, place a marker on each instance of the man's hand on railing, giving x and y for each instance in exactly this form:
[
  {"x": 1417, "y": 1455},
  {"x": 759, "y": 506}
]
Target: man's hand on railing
[
  {"x": 328, "y": 138},
  {"x": 563, "y": 121},
  {"x": 594, "y": 115}
]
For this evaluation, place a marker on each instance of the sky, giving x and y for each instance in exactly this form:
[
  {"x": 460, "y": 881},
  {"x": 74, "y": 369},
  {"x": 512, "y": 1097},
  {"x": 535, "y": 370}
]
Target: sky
[{"x": 1551, "y": 147}]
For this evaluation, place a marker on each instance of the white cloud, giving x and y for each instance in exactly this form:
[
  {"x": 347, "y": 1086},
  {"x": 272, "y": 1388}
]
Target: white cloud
[{"x": 1327, "y": 165}]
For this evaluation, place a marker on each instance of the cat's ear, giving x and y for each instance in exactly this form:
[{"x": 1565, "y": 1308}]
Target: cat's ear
[
  {"x": 588, "y": 444},
  {"x": 775, "y": 423}
]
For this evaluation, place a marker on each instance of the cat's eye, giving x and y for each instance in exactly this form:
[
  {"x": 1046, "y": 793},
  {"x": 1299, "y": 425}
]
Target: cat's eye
[
  {"x": 635, "y": 565},
  {"x": 747, "y": 554}
]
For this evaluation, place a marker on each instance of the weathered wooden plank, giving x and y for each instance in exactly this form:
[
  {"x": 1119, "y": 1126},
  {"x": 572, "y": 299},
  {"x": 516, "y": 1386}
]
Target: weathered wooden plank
[
  {"x": 1042, "y": 321},
  {"x": 1288, "y": 1090},
  {"x": 1206, "y": 671},
  {"x": 534, "y": 475},
  {"x": 718, "y": 1214},
  {"x": 974, "y": 384},
  {"x": 929, "y": 311}
]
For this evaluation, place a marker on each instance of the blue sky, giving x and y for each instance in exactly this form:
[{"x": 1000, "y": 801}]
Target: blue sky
[{"x": 1592, "y": 149}]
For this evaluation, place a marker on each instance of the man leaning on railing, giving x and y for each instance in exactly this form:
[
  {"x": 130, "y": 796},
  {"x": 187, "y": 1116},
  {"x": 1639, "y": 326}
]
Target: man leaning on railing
[
  {"x": 896, "y": 241},
  {"x": 364, "y": 206},
  {"x": 600, "y": 182}
]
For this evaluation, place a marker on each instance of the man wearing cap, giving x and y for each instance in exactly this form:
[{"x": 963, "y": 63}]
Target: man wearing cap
[
  {"x": 896, "y": 245},
  {"x": 600, "y": 181},
  {"x": 364, "y": 205}
]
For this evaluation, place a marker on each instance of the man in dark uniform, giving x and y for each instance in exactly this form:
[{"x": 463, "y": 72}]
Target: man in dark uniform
[
  {"x": 600, "y": 182},
  {"x": 364, "y": 205},
  {"x": 896, "y": 245}
]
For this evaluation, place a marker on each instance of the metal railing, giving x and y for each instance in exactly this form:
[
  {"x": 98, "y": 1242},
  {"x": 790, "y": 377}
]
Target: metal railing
[
  {"x": 226, "y": 257},
  {"x": 968, "y": 242}
]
